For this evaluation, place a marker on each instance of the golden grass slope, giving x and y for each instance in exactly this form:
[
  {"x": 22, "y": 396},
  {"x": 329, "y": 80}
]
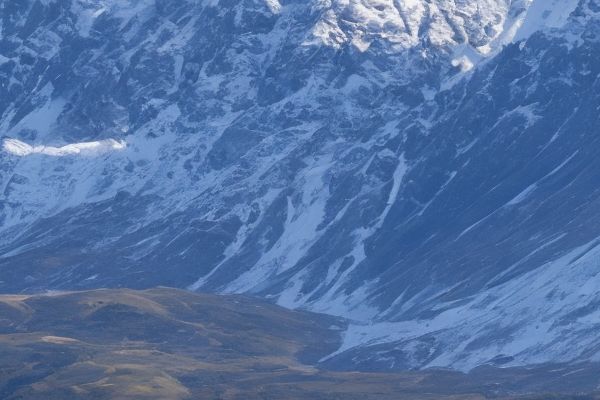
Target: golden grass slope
[{"x": 171, "y": 344}]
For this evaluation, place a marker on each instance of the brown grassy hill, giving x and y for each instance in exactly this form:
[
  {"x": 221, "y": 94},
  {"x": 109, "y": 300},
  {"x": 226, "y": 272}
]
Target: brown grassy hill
[{"x": 171, "y": 344}]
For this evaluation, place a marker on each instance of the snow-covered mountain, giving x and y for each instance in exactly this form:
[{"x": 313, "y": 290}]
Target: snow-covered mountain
[{"x": 426, "y": 168}]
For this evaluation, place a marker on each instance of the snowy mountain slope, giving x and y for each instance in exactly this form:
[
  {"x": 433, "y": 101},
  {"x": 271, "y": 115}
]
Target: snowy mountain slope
[
  {"x": 548, "y": 315},
  {"x": 343, "y": 156}
]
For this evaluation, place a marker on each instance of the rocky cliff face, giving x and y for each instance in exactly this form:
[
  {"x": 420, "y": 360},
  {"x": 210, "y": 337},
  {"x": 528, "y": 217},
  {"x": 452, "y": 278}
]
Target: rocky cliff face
[{"x": 426, "y": 168}]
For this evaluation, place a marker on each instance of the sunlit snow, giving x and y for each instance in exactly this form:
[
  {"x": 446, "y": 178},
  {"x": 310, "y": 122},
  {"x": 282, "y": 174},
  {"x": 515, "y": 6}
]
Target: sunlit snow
[{"x": 19, "y": 148}]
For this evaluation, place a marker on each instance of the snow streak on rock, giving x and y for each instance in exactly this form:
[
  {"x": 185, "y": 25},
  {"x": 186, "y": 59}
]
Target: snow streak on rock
[{"x": 19, "y": 148}]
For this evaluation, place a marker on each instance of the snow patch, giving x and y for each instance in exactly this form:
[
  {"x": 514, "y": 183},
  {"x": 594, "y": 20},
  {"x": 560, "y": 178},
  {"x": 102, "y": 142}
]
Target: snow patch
[
  {"x": 543, "y": 14},
  {"x": 22, "y": 149},
  {"x": 522, "y": 196},
  {"x": 274, "y": 6}
]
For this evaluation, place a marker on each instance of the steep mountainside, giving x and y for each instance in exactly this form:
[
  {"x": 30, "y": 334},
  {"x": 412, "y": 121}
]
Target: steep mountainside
[{"x": 425, "y": 168}]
